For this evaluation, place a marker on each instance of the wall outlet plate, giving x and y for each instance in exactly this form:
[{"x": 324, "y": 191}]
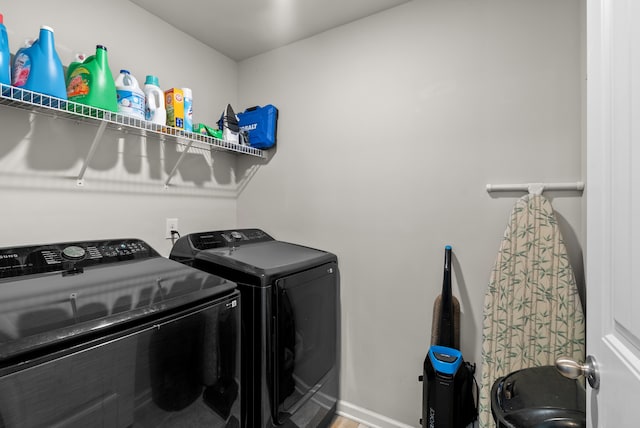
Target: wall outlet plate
[{"x": 171, "y": 224}]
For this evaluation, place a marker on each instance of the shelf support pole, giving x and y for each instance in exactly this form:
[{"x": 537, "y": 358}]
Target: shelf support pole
[
  {"x": 92, "y": 151},
  {"x": 175, "y": 168}
]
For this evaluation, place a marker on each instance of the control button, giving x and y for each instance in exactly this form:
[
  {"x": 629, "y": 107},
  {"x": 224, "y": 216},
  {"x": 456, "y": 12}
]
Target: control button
[
  {"x": 445, "y": 358},
  {"x": 94, "y": 253},
  {"x": 109, "y": 251},
  {"x": 73, "y": 252},
  {"x": 51, "y": 257}
]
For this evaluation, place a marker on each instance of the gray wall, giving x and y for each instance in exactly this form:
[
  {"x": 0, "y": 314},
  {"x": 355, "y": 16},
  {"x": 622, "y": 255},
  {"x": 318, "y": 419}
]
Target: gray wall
[
  {"x": 389, "y": 129},
  {"x": 123, "y": 193}
]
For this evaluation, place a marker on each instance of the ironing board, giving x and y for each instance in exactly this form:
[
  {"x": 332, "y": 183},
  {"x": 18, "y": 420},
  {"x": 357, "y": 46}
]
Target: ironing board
[{"x": 532, "y": 311}]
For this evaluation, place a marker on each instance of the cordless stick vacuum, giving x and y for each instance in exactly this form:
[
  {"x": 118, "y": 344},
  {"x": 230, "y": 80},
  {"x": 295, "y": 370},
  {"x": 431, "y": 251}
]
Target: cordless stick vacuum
[
  {"x": 447, "y": 389},
  {"x": 445, "y": 325}
]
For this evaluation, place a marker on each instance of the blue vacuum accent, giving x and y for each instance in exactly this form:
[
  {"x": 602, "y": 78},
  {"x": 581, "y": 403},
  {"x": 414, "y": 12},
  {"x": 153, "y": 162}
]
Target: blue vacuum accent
[{"x": 445, "y": 360}]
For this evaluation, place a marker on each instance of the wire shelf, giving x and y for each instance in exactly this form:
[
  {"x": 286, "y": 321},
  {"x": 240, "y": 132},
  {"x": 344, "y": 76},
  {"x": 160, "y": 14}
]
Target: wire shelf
[{"x": 56, "y": 107}]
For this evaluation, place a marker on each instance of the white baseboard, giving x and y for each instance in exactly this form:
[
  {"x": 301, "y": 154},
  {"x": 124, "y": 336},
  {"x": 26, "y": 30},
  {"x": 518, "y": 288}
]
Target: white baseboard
[{"x": 367, "y": 417}]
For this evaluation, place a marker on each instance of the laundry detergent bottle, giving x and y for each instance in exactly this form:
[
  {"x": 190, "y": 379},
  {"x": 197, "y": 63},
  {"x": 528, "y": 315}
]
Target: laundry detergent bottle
[
  {"x": 130, "y": 96},
  {"x": 38, "y": 68},
  {"x": 155, "y": 111},
  {"x": 90, "y": 82},
  {"x": 5, "y": 55},
  {"x": 188, "y": 109}
]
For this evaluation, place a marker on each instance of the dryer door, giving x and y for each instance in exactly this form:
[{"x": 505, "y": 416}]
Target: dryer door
[{"x": 305, "y": 336}]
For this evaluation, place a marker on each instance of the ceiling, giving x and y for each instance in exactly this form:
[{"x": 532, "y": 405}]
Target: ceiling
[{"x": 241, "y": 29}]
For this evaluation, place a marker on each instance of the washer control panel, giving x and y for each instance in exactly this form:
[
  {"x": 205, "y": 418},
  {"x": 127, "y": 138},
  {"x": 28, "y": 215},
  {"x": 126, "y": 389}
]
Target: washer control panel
[{"x": 29, "y": 260}]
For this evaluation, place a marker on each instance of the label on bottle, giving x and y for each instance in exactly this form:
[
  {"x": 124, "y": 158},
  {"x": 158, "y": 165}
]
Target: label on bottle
[
  {"x": 188, "y": 114},
  {"x": 131, "y": 103},
  {"x": 21, "y": 69},
  {"x": 149, "y": 113},
  {"x": 79, "y": 83}
]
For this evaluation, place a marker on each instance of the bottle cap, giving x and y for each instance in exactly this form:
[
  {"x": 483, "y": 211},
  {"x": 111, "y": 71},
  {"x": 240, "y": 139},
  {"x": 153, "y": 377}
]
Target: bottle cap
[
  {"x": 125, "y": 71},
  {"x": 152, "y": 80},
  {"x": 101, "y": 47},
  {"x": 46, "y": 27},
  {"x": 1, "y": 19},
  {"x": 187, "y": 92}
]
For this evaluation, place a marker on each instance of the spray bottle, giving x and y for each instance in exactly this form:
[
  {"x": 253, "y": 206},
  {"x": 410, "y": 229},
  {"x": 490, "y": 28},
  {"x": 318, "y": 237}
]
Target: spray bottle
[{"x": 188, "y": 109}]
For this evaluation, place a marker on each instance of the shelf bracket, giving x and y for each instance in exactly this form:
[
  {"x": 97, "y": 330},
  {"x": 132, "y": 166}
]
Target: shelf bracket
[
  {"x": 175, "y": 168},
  {"x": 92, "y": 151}
]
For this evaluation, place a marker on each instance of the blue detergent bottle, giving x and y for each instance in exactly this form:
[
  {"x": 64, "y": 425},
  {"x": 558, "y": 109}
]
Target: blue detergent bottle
[
  {"x": 5, "y": 54},
  {"x": 38, "y": 68}
]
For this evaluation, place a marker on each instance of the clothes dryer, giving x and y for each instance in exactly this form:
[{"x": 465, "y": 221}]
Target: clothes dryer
[{"x": 290, "y": 323}]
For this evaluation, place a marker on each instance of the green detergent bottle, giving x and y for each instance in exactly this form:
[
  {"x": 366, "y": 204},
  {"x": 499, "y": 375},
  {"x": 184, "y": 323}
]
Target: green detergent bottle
[{"x": 90, "y": 82}]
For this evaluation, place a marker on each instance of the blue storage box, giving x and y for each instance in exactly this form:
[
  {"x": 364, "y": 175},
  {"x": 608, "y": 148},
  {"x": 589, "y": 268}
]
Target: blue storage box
[{"x": 261, "y": 124}]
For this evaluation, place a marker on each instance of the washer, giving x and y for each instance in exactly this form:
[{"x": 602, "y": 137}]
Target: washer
[
  {"x": 111, "y": 334},
  {"x": 290, "y": 323}
]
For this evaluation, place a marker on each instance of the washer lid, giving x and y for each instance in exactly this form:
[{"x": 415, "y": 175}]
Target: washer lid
[
  {"x": 269, "y": 259},
  {"x": 48, "y": 296}
]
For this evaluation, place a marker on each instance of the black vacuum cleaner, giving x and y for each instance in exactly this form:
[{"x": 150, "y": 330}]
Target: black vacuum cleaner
[{"x": 448, "y": 399}]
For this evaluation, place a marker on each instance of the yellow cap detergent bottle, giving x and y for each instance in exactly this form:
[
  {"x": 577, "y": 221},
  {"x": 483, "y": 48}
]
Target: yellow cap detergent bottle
[{"x": 90, "y": 82}]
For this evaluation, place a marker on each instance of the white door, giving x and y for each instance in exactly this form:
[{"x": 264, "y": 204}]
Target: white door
[{"x": 613, "y": 210}]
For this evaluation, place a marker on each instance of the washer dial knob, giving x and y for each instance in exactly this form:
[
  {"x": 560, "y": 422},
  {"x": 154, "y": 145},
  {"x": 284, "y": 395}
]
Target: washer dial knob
[{"x": 73, "y": 252}]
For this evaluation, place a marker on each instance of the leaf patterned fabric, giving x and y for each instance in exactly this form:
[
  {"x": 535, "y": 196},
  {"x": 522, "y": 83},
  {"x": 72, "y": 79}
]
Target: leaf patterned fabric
[{"x": 532, "y": 311}]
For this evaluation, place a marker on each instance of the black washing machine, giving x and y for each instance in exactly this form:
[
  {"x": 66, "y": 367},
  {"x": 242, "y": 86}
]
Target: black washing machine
[
  {"x": 111, "y": 334},
  {"x": 290, "y": 323}
]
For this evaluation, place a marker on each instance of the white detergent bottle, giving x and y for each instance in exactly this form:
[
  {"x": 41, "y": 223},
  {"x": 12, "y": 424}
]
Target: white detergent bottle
[
  {"x": 155, "y": 111},
  {"x": 131, "y": 99}
]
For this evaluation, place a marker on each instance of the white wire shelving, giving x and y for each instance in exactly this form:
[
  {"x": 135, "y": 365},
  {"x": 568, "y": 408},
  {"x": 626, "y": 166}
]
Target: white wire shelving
[{"x": 55, "y": 107}]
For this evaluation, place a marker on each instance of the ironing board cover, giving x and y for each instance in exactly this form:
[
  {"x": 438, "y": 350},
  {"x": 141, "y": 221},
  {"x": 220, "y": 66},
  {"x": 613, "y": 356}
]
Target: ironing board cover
[{"x": 532, "y": 311}]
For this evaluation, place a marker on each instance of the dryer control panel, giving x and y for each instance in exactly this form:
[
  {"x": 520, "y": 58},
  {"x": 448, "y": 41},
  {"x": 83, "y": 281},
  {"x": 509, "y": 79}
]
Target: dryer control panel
[
  {"x": 70, "y": 256},
  {"x": 227, "y": 238}
]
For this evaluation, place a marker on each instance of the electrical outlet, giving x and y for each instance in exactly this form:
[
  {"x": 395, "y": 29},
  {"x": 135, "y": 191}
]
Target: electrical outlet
[{"x": 172, "y": 224}]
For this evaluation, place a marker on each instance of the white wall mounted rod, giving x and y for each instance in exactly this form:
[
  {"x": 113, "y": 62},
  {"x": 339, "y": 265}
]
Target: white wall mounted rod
[{"x": 533, "y": 187}]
